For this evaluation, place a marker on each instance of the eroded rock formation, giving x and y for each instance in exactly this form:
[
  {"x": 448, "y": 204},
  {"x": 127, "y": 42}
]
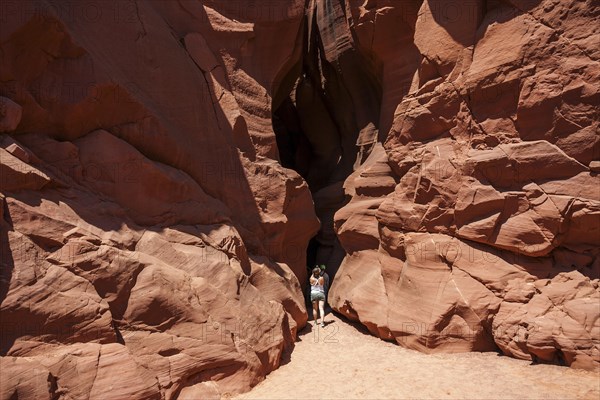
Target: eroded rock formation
[
  {"x": 327, "y": 124},
  {"x": 153, "y": 246},
  {"x": 476, "y": 226}
]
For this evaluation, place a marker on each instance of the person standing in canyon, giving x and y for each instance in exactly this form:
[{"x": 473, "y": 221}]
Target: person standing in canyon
[{"x": 317, "y": 295}]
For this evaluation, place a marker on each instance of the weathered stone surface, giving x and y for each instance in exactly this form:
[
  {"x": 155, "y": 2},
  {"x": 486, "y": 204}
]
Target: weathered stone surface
[
  {"x": 152, "y": 245},
  {"x": 488, "y": 238},
  {"x": 10, "y": 115},
  {"x": 16, "y": 175},
  {"x": 83, "y": 370},
  {"x": 155, "y": 169}
]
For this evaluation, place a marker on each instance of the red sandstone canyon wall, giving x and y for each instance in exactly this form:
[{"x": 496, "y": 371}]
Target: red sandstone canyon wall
[
  {"x": 475, "y": 225},
  {"x": 152, "y": 246},
  {"x": 153, "y": 229}
]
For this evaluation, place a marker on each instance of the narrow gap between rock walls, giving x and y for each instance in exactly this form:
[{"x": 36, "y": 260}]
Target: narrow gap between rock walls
[{"x": 317, "y": 128}]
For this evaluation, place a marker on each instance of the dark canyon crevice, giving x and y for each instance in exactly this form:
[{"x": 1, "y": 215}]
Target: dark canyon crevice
[{"x": 327, "y": 123}]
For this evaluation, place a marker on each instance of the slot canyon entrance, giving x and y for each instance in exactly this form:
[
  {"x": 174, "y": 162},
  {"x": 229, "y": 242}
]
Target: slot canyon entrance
[{"x": 326, "y": 123}]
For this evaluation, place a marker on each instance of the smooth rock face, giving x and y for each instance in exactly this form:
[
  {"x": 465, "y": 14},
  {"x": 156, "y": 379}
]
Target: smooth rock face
[
  {"x": 477, "y": 225},
  {"x": 152, "y": 245}
]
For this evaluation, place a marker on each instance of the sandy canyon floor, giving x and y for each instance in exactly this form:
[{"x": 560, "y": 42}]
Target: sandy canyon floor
[{"x": 343, "y": 362}]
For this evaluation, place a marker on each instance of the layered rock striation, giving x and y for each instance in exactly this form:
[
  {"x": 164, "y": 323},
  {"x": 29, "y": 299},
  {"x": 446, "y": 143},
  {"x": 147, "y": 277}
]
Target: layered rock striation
[
  {"x": 475, "y": 225},
  {"x": 163, "y": 164},
  {"x": 152, "y": 245}
]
